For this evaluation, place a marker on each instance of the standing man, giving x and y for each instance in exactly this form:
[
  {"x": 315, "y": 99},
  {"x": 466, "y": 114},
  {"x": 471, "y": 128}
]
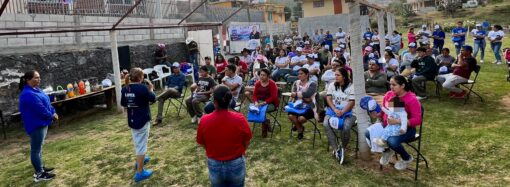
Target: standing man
[
  {"x": 193, "y": 56},
  {"x": 367, "y": 36},
  {"x": 459, "y": 36},
  {"x": 424, "y": 68},
  {"x": 173, "y": 89},
  {"x": 438, "y": 35},
  {"x": 225, "y": 135},
  {"x": 424, "y": 35},
  {"x": 328, "y": 40},
  {"x": 316, "y": 38},
  {"x": 479, "y": 41},
  {"x": 340, "y": 37}
]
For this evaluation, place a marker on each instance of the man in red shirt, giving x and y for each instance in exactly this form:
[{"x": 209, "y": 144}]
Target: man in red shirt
[
  {"x": 225, "y": 135},
  {"x": 461, "y": 73}
]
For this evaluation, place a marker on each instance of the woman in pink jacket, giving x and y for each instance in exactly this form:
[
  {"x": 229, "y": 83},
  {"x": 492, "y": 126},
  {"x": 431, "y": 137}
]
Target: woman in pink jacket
[{"x": 400, "y": 87}]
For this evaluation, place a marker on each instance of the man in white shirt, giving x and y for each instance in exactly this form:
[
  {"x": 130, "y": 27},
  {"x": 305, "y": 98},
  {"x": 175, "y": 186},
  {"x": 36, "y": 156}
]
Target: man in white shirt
[
  {"x": 297, "y": 61},
  {"x": 313, "y": 67},
  {"x": 408, "y": 58},
  {"x": 234, "y": 82},
  {"x": 340, "y": 36},
  {"x": 424, "y": 35}
]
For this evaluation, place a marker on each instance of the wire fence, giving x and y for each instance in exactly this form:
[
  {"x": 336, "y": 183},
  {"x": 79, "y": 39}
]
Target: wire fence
[{"x": 171, "y": 9}]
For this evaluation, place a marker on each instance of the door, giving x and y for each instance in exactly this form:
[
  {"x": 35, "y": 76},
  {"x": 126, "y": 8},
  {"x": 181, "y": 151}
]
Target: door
[{"x": 204, "y": 39}]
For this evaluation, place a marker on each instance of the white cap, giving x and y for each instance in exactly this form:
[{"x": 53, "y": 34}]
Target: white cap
[
  {"x": 338, "y": 49},
  {"x": 388, "y": 48},
  {"x": 436, "y": 27},
  {"x": 176, "y": 65},
  {"x": 189, "y": 40},
  {"x": 423, "y": 26},
  {"x": 478, "y": 25},
  {"x": 307, "y": 43},
  {"x": 342, "y": 46},
  {"x": 326, "y": 47},
  {"x": 310, "y": 56},
  {"x": 371, "y": 55},
  {"x": 299, "y": 49},
  {"x": 412, "y": 45}
]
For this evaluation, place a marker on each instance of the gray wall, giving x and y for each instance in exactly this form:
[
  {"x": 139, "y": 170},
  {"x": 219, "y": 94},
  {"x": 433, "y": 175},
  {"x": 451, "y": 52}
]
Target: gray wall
[
  {"x": 63, "y": 67},
  {"x": 331, "y": 23}
]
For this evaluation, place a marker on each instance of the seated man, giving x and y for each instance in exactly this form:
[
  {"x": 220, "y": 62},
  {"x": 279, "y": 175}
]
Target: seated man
[
  {"x": 201, "y": 94},
  {"x": 375, "y": 79},
  {"x": 313, "y": 67},
  {"x": 174, "y": 85},
  {"x": 461, "y": 72},
  {"x": 296, "y": 63},
  {"x": 234, "y": 82},
  {"x": 424, "y": 68},
  {"x": 210, "y": 68}
]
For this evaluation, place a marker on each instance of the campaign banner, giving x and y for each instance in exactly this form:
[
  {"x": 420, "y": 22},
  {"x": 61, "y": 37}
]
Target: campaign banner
[{"x": 241, "y": 32}]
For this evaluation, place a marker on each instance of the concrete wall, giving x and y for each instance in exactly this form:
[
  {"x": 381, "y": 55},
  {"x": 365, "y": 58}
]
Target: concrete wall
[
  {"x": 330, "y": 23},
  {"x": 43, "y": 20}
]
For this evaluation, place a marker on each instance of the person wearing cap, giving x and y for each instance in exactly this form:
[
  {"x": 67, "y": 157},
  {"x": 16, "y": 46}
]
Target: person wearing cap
[
  {"x": 313, "y": 67},
  {"x": 160, "y": 55},
  {"x": 495, "y": 37},
  {"x": 466, "y": 64},
  {"x": 225, "y": 136},
  {"x": 308, "y": 48},
  {"x": 261, "y": 62},
  {"x": 340, "y": 36},
  {"x": 193, "y": 55},
  {"x": 282, "y": 66},
  {"x": 445, "y": 60},
  {"x": 375, "y": 79},
  {"x": 210, "y": 68},
  {"x": 202, "y": 91},
  {"x": 438, "y": 35},
  {"x": 408, "y": 57},
  {"x": 479, "y": 41},
  {"x": 411, "y": 36},
  {"x": 424, "y": 34},
  {"x": 367, "y": 36},
  {"x": 345, "y": 53},
  {"x": 459, "y": 36},
  {"x": 376, "y": 41},
  {"x": 297, "y": 61},
  {"x": 338, "y": 55},
  {"x": 425, "y": 69},
  {"x": 173, "y": 89},
  {"x": 367, "y": 55}
]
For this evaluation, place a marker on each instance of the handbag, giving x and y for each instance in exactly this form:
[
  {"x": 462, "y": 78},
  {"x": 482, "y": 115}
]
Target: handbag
[
  {"x": 255, "y": 116},
  {"x": 337, "y": 122},
  {"x": 291, "y": 108}
]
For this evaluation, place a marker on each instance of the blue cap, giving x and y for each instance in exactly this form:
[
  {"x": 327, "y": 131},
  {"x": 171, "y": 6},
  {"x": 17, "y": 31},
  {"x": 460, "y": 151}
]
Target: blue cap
[{"x": 369, "y": 104}]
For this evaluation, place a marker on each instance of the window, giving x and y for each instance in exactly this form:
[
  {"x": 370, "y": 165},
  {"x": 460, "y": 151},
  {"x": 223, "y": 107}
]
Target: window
[
  {"x": 318, "y": 4},
  {"x": 270, "y": 16},
  {"x": 120, "y": 2}
]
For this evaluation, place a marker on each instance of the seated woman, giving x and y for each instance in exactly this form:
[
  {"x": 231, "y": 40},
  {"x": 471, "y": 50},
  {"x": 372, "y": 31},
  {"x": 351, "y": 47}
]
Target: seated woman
[
  {"x": 305, "y": 90},
  {"x": 375, "y": 79},
  {"x": 221, "y": 64},
  {"x": 400, "y": 87},
  {"x": 242, "y": 67},
  {"x": 266, "y": 92},
  {"x": 282, "y": 66},
  {"x": 340, "y": 99},
  {"x": 391, "y": 68}
]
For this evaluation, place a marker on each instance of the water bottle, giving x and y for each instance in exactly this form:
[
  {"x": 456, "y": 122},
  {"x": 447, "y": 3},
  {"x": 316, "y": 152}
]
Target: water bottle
[{"x": 87, "y": 87}]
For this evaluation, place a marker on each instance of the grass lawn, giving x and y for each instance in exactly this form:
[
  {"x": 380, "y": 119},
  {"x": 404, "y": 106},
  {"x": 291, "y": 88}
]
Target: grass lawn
[{"x": 466, "y": 145}]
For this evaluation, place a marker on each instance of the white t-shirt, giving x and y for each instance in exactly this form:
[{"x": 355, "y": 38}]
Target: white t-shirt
[
  {"x": 395, "y": 39},
  {"x": 328, "y": 76},
  {"x": 340, "y": 97},
  {"x": 375, "y": 39},
  {"x": 347, "y": 57},
  {"x": 494, "y": 34},
  {"x": 288, "y": 41},
  {"x": 232, "y": 80},
  {"x": 407, "y": 59},
  {"x": 425, "y": 36},
  {"x": 315, "y": 65},
  {"x": 297, "y": 59},
  {"x": 340, "y": 37},
  {"x": 282, "y": 60}
]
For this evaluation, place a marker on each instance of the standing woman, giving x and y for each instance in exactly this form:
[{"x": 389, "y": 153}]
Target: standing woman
[
  {"x": 411, "y": 37},
  {"x": 496, "y": 38},
  {"x": 37, "y": 114},
  {"x": 305, "y": 90},
  {"x": 136, "y": 97},
  {"x": 340, "y": 99}
]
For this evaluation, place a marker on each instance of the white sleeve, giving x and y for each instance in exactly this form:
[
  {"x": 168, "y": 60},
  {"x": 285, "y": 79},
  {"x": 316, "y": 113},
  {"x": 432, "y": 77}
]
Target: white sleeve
[
  {"x": 403, "y": 120},
  {"x": 350, "y": 93},
  {"x": 331, "y": 89}
]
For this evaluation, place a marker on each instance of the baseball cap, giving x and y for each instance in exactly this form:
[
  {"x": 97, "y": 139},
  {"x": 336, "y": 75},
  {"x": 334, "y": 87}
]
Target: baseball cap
[
  {"x": 307, "y": 43},
  {"x": 299, "y": 49},
  {"x": 338, "y": 49},
  {"x": 436, "y": 27},
  {"x": 388, "y": 48},
  {"x": 368, "y": 48},
  {"x": 369, "y": 104},
  {"x": 478, "y": 25},
  {"x": 342, "y": 46},
  {"x": 161, "y": 45},
  {"x": 176, "y": 65},
  {"x": 326, "y": 47},
  {"x": 412, "y": 45},
  {"x": 423, "y": 26}
]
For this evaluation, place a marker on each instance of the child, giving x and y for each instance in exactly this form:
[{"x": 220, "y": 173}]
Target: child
[{"x": 396, "y": 110}]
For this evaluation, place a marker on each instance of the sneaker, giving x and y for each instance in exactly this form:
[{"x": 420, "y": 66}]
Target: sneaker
[
  {"x": 386, "y": 155},
  {"x": 145, "y": 174},
  {"x": 45, "y": 169},
  {"x": 451, "y": 94},
  {"x": 460, "y": 95},
  {"x": 43, "y": 176},
  {"x": 402, "y": 164},
  {"x": 481, "y": 61},
  {"x": 421, "y": 98},
  {"x": 194, "y": 119},
  {"x": 145, "y": 161},
  {"x": 499, "y": 63},
  {"x": 495, "y": 62},
  {"x": 339, "y": 155},
  {"x": 300, "y": 136},
  {"x": 158, "y": 121},
  {"x": 381, "y": 142}
]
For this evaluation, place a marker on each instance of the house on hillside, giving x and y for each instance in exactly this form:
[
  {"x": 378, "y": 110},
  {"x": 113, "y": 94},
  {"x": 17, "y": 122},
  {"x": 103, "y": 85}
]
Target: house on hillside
[
  {"x": 273, "y": 13},
  {"x": 313, "y": 8},
  {"x": 422, "y": 5}
]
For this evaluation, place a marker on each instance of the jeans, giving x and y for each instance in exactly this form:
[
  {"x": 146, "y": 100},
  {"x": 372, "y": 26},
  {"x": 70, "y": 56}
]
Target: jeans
[
  {"x": 450, "y": 81},
  {"x": 193, "y": 59},
  {"x": 277, "y": 74},
  {"x": 36, "y": 142},
  {"x": 458, "y": 46},
  {"x": 395, "y": 142},
  {"x": 496, "y": 47},
  {"x": 479, "y": 45},
  {"x": 439, "y": 47},
  {"x": 227, "y": 173},
  {"x": 168, "y": 93}
]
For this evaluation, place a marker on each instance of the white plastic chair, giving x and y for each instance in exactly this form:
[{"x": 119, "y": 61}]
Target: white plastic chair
[{"x": 161, "y": 74}]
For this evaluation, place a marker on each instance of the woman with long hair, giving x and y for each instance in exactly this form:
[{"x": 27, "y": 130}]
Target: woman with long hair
[
  {"x": 305, "y": 90},
  {"x": 266, "y": 93},
  {"x": 37, "y": 114},
  {"x": 496, "y": 39}
]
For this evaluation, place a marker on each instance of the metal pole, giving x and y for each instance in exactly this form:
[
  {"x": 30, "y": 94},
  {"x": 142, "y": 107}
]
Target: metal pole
[
  {"x": 126, "y": 14},
  {"x": 116, "y": 68},
  {"x": 3, "y": 7},
  {"x": 189, "y": 14}
]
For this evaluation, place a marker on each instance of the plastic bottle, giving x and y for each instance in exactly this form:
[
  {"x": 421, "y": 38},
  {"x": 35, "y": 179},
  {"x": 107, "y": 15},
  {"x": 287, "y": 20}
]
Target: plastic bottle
[
  {"x": 76, "y": 90},
  {"x": 87, "y": 86},
  {"x": 81, "y": 86},
  {"x": 70, "y": 90}
]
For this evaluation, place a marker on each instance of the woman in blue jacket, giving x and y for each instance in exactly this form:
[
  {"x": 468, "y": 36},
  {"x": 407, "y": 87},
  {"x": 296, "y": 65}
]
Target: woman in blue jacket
[{"x": 37, "y": 114}]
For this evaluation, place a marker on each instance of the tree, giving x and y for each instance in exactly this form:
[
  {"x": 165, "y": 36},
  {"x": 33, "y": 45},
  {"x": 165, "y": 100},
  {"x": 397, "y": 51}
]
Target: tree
[
  {"x": 358, "y": 77},
  {"x": 288, "y": 12},
  {"x": 401, "y": 9},
  {"x": 450, "y": 7}
]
